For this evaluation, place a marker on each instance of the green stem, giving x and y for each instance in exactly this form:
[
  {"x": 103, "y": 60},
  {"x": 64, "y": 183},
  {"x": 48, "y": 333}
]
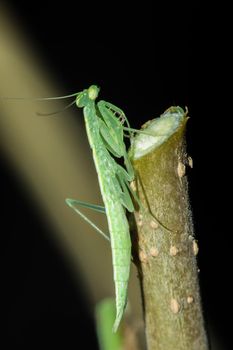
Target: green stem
[{"x": 165, "y": 248}]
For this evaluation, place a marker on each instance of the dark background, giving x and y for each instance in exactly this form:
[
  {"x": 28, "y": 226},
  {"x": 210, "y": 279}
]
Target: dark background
[{"x": 145, "y": 58}]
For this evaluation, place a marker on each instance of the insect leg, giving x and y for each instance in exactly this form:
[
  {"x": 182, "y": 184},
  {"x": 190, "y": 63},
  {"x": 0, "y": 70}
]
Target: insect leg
[
  {"x": 73, "y": 203},
  {"x": 115, "y": 111},
  {"x": 112, "y": 113},
  {"x": 122, "y": 177},
  {"x": 141, "y": 132},
  {"x": 113, "y": 140}
]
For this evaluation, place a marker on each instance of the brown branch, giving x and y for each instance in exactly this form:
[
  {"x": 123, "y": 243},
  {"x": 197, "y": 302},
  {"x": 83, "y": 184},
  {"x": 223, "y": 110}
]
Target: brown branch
[{"x": 165, "y": 248}]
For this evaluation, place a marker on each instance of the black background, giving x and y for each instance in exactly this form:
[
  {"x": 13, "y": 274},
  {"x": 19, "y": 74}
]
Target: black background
[{"x": 145, "y": 57}]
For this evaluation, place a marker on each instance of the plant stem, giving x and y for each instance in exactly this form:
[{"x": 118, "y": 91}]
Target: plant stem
[{"x": 165, "y": 248}]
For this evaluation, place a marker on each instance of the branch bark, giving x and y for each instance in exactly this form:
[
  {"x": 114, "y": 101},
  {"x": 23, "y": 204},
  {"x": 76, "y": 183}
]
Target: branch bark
[{"x": 164, "y": 246}]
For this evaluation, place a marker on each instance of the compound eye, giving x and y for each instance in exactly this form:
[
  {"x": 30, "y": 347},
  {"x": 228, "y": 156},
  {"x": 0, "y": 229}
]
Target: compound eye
[{"x": 93, "y": 92}]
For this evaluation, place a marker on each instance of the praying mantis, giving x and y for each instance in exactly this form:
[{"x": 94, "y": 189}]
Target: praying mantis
[{"x": 105, "y": 126}]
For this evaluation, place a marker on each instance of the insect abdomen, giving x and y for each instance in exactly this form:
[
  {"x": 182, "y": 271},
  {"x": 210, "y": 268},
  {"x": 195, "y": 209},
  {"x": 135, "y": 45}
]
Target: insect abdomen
[
  {"x": 121, "y": 257},
  {"x": 121, "y": 277}
]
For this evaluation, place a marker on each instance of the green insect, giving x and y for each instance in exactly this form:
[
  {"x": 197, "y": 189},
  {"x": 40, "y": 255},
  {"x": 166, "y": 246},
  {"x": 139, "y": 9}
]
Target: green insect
[{"x": 105, "y": 129}]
